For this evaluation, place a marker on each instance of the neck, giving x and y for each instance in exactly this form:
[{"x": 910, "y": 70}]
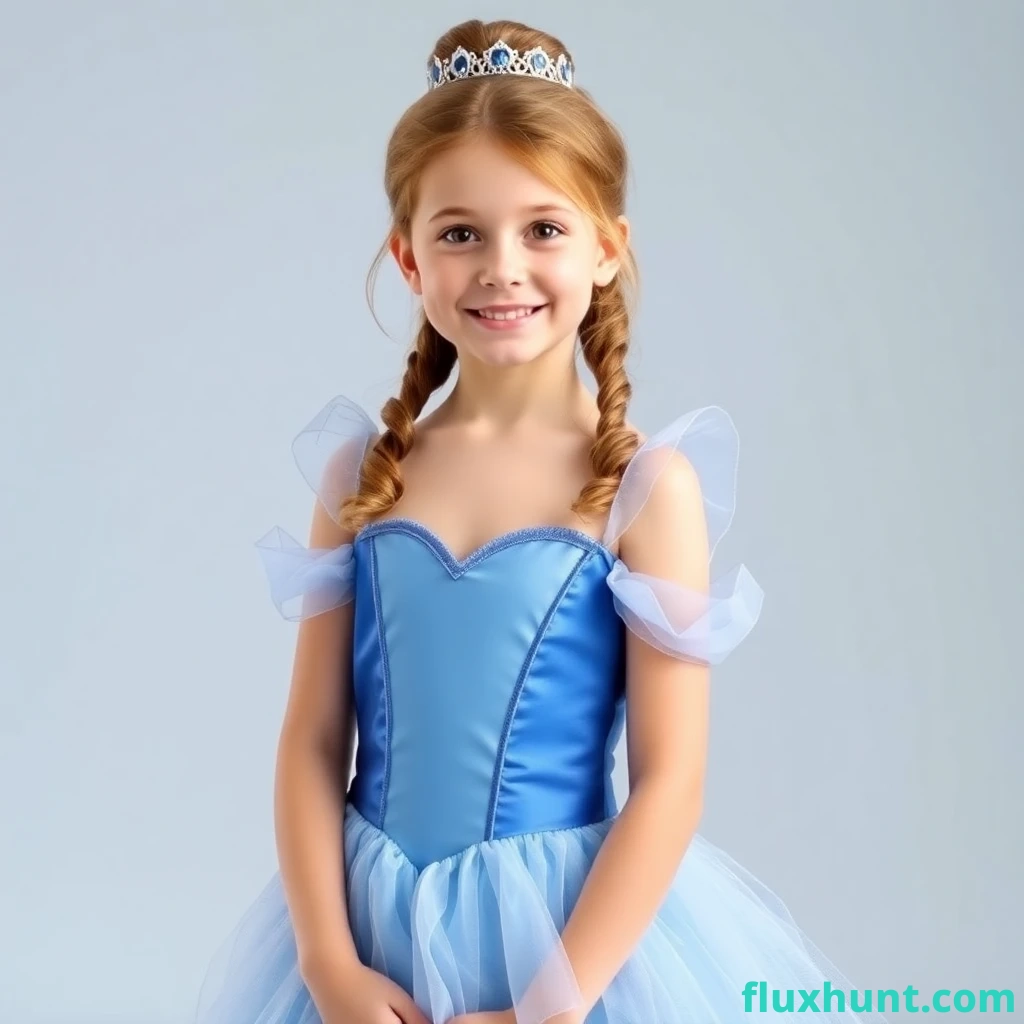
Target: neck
[{"x": 547, "y": 390}]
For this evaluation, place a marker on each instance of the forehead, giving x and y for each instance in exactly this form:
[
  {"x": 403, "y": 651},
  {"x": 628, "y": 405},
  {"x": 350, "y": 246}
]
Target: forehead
[{"x": 481, "y": 177}]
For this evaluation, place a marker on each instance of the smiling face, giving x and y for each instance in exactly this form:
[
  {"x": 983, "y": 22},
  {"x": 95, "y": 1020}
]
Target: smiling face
[{"x": 487, "y": 234}]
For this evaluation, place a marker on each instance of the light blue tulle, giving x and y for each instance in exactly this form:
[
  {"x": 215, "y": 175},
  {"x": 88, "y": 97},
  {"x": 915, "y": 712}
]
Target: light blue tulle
[
  {"x": 305, "y": 581},
  {"x": 472, "y": 931},
  {"x": 687, "y": 624}
]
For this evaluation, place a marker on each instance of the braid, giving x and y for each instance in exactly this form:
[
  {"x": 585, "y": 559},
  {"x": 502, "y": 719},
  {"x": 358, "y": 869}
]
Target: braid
[
  {"x": 429, "y": 365},
  {"x": 604, "y": 339}
]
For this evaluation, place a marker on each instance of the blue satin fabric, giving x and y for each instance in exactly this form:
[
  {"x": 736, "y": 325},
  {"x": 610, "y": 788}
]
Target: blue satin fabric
[{"x": 457, "y": 666}]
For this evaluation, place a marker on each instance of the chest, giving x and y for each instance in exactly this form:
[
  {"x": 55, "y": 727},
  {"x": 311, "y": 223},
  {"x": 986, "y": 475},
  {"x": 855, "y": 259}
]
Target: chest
[{"x": 470, "y": 496}]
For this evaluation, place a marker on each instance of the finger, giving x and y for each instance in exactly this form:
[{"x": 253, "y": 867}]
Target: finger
[{"x": 411, "y": 1013}]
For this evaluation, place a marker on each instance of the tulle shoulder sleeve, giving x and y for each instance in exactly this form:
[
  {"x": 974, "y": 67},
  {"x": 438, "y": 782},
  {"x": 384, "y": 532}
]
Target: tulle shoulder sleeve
[
  {"x": 328, "y": 452},
  {"x": 697, "y": 626}
]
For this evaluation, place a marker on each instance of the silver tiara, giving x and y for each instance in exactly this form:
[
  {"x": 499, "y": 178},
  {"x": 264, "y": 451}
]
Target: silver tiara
[{"x": 499, "y": 59}]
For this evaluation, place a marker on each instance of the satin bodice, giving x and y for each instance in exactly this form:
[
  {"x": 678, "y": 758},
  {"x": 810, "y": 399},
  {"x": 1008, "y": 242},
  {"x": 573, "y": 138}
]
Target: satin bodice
[{"x": 489, "y": 692}]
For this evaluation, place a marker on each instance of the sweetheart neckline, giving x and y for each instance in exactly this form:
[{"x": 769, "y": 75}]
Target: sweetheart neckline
[{"x": 521, "y": 534}]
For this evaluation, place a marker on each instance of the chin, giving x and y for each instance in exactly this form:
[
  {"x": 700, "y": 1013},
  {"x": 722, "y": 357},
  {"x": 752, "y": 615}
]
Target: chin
[{"x": 503, "y": 353}]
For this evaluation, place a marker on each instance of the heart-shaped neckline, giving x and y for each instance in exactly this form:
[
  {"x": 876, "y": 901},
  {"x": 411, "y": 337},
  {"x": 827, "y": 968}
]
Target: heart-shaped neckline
[{"x": 457, "y": 566}]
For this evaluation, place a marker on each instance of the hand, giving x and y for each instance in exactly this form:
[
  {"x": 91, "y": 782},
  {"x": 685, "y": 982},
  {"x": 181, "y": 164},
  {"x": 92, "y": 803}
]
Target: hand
[{"x": 356, "y": 994}]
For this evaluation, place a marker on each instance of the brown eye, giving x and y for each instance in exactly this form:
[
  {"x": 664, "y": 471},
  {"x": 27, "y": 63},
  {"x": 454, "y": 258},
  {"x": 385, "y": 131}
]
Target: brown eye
[
  {"x": 454, "y": 229},
  {"x": 548, "y": 224}
]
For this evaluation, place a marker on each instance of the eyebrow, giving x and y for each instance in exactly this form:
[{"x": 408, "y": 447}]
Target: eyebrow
[{"x": 462, "y": 211}]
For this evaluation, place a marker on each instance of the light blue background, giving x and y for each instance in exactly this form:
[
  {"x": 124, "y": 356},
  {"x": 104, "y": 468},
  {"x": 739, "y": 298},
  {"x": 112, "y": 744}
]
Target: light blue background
[{"x": 827, "y": 210}]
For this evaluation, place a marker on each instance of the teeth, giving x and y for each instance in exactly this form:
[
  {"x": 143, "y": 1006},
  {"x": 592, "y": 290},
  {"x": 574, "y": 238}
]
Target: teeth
[{"x": 510, "y": 314}]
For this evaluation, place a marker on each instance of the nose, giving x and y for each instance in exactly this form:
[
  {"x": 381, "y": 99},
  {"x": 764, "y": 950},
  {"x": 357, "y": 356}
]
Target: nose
[{"x": 502, "y": 263}]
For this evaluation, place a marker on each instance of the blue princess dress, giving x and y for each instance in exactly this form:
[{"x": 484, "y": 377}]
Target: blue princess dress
[{"x": 490, "y": 696}]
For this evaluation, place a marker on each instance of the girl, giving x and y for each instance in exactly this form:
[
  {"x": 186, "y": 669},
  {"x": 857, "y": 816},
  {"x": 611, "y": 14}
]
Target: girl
[{"x": 490, "y": 593}]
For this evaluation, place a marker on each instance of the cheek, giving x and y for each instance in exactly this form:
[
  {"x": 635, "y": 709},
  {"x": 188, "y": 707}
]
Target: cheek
[
  {"x": 441, "y": 280},
  {"x": 571, "y": 289},
  {"x": 569, "y": 276}
]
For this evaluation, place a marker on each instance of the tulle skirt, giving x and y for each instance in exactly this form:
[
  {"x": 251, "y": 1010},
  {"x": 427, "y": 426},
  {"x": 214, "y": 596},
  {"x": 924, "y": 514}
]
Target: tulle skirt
[{"x": 479, "y": 931}]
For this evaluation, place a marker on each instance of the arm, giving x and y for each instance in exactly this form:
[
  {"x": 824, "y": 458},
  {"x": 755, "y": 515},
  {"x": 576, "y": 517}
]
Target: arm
[
  {"x": 313, "y": 762},
  {"x": 666, "y": 731}
]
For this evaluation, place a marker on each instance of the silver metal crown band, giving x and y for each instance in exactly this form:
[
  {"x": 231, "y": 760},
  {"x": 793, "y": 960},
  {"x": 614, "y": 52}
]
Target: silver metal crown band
[{"x": 499, "y": 59}]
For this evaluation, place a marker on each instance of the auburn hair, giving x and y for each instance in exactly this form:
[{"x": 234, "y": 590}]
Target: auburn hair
[{"x": 561, "y": 136}]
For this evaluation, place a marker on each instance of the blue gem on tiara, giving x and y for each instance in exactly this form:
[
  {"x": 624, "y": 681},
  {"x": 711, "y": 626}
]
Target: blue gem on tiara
[
  {"x": 500, "y": 58},
  {"x": 461, "y": 62}
]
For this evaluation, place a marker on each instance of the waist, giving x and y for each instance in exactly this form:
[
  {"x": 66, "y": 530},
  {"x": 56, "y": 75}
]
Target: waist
[{"x": 432, "y": 824}]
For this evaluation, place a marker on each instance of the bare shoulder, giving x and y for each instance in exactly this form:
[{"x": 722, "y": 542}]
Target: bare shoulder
[
  {"x": 675, "y": 488},
  {"x": 672, "y": 518}
]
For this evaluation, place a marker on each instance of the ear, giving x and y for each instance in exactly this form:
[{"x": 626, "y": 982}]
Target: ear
[
  {"x": 401, "y": 249},
  {"x": 608, "y": 262}
]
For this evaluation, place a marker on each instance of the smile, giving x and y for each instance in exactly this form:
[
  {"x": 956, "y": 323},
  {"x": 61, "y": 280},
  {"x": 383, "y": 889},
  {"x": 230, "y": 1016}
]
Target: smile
[{"x": 508, "y": 320}]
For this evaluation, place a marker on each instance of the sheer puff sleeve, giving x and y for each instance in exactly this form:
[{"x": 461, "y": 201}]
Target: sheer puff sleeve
[
  {"x": 328, "y": 452},
  {"x": 702, "y": 624}
]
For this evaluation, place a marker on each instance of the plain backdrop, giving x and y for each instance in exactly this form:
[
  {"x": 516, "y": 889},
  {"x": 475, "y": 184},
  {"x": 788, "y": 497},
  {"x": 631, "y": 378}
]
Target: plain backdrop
[{"x": 827, "y": 211}]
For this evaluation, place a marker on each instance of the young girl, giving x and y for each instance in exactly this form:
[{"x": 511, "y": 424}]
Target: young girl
[{"x": 490, "y": 593}]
